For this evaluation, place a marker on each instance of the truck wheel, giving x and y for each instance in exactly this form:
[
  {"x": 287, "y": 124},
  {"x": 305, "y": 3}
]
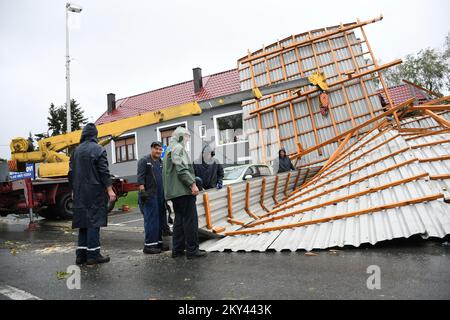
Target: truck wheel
[{"x": 64, "y": 205}]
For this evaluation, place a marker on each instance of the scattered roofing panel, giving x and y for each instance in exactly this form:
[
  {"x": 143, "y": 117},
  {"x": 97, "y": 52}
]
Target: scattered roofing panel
[
  {"x": 258, "y": 200},
  {"x": 388, "y": 183},
  {"x": 431, "y": 218}
]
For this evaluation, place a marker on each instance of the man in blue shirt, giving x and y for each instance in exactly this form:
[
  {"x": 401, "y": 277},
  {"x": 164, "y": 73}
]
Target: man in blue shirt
[{"x": 151, "y": 193}]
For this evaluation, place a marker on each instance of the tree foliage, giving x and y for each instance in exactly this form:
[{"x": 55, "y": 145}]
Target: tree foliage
[
  {"x": 429, "y": 68},
  {"x": 57, "y": 119}
]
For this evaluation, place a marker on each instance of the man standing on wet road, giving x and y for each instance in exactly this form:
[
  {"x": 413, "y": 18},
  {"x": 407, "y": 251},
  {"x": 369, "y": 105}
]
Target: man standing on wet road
[
  {"x": 151, "y": 193},
  {"x": 91, "y": 184},
  {"x": 179, "y": 179}
]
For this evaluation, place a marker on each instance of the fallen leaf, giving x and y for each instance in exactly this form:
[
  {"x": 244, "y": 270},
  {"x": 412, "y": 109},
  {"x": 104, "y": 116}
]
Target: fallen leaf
[
  {"x": 13, "y": 251},
  {"x": 10, "y": 243},
  {"x": 61, "y": 275},
  {"x": 310, "y": 254}
]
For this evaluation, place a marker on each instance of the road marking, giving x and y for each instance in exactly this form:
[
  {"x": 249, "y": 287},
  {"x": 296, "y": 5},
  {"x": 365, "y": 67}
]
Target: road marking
[
  {"x": 121, "y": 224},
  {"x": 16, "y": 294},
  {"x": 141, "y": 219},
  {"x": 123, "y": 228}
]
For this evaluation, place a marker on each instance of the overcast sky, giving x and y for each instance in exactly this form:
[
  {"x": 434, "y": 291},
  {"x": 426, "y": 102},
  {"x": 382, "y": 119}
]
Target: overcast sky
[{"x": 129, "y": 47}]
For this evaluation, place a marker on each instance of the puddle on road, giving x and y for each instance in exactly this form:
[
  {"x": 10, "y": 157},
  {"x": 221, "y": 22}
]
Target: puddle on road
[{"x": 56, "y": 249}]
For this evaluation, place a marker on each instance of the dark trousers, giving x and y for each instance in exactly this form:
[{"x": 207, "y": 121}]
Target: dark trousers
[
  {"x": 162, "y": 216},
  {"x": 185, "y": 227},
  {"x": 152, "y": 212},
  {"x": 89, "y": 242},
  {"x": 163, "y": 219}
]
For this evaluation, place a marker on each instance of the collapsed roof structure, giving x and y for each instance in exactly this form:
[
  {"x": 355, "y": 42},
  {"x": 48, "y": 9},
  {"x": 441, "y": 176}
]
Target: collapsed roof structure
[
  {"x": 368, "y": 170},
  {"x": 301, "y": 119}
]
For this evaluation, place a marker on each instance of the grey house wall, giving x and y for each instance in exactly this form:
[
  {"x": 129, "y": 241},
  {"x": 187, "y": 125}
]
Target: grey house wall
[{"x": 231, "y": 154}]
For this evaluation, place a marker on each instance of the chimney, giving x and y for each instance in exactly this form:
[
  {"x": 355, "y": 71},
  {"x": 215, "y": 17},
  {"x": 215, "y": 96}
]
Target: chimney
[
  {"x": 198, "y": 82},
  {"x": 111, "y": 97}
]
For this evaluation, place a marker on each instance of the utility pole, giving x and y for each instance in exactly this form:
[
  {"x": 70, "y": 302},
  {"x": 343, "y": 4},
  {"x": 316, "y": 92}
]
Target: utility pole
[{"x": 77, "y": 9}]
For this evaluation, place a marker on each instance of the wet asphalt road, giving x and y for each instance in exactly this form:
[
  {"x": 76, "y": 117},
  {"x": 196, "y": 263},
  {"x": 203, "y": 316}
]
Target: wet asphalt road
[{"x": 30, "y": 261}]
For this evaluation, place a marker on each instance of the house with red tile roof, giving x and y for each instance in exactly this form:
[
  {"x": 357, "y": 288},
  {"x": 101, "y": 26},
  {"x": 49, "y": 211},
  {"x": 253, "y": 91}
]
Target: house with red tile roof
[
  {"x": 404, "y": 92},
  {"x": 220, "y": 127}
]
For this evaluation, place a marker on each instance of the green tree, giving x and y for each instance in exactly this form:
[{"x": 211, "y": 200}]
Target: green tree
[
  {"x": 57, "y": 119},
  {"x": 447, "y": 46},
  {"x": 429, "y": 68}
]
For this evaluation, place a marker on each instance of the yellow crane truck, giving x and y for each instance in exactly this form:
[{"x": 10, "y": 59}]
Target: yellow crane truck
[{"x": 50, "y": 194}]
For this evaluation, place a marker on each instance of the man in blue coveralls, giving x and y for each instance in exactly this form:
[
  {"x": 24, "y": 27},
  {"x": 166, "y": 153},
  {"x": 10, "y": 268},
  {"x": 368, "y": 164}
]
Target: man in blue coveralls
[{"x": 151, "y": 193}]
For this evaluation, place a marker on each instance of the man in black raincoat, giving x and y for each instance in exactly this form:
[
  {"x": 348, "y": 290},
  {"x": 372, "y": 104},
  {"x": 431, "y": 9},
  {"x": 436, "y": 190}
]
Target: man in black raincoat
[
  {"x": 283, "y": 163},
  {"x": 90, "y": 181},
  {"x": 209, "y": 170}
]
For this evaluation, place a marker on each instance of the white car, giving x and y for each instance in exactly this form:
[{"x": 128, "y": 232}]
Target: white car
[{"x": 245, "y": 172}]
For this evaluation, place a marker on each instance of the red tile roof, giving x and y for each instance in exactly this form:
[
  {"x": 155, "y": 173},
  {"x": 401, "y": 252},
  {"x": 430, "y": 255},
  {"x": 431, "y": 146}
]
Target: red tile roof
[
  {"x": 214, "y": 86},
  {"x": 404, "y": 92}
]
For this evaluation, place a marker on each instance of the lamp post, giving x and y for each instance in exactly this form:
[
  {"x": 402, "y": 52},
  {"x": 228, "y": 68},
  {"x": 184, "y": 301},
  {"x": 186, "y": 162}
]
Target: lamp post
[{"x": 77, "y": 9}]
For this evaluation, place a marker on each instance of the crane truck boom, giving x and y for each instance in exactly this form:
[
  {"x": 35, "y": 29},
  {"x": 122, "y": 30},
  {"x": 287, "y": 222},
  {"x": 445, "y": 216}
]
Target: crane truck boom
[
  {"x": 53, "y": 163},
  {"x": 51, "y": 191}
]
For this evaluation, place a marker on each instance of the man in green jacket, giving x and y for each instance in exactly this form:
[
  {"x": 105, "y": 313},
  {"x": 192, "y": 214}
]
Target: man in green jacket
[{"x": 179, "y": 179}]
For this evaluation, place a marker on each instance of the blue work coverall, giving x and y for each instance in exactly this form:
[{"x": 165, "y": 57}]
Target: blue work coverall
[{"x": 150, "y": 175}]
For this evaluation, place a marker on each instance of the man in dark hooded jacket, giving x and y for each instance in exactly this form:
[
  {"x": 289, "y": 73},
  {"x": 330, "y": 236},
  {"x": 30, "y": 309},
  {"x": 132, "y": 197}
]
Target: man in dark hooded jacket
[
  {"x": 90, "y": 181},
  {"x": 283, "y": 163},
  {"x": 208, "y": 169}
]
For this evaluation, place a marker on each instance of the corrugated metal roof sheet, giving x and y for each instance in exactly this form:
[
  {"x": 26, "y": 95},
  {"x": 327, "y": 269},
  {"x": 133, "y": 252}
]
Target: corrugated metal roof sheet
[
  {"x": 429, "y": 218},
  {"x": 424, "y": 122},
  {"x": 389, "y": 180},
  {"x": 218, "y": 200}
]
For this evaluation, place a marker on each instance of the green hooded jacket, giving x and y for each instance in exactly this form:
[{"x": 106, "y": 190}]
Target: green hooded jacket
[{"x": 178, "y": 172}]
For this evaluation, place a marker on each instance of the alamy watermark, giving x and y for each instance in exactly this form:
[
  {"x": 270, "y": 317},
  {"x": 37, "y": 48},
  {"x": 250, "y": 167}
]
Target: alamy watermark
[
  {"x": 236, "y": 146},
  {"x": 74, "y": 279},
  {"x": 374, "y": 280}
]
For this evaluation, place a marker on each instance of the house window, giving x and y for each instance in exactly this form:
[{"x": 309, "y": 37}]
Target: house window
[
  {"x": 165, "y": 136},
  {"x": 202, "y": 131},
  {"x": 125, "y": 149},
  {"x": 229, "y": 128},
  {"x": 167, "y": 132}
]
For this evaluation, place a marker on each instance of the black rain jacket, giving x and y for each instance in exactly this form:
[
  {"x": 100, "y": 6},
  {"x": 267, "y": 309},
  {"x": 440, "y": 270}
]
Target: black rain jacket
[
  {"x": 283, "y": 164},
  {"x": 89, "y": 177},
  {"x": 210, "y": 172}
]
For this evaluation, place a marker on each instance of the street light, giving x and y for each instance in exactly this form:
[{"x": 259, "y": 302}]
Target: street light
[{"x": 77, "y": 9}]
